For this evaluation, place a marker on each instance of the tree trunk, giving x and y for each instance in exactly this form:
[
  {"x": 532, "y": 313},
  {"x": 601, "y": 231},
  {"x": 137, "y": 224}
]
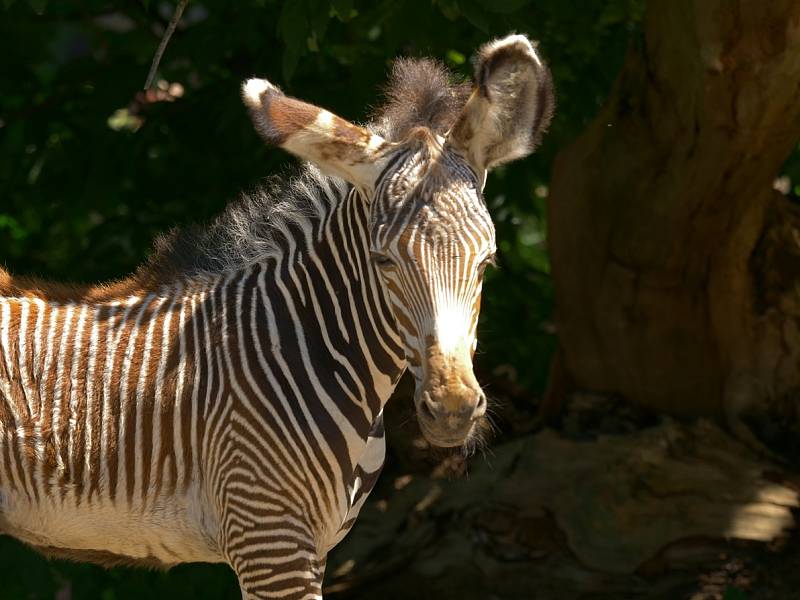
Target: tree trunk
[{"x": 676, "y": 264}]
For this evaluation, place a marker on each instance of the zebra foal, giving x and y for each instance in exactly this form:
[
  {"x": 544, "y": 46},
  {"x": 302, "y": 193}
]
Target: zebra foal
[{"x": 224, "y": 403}]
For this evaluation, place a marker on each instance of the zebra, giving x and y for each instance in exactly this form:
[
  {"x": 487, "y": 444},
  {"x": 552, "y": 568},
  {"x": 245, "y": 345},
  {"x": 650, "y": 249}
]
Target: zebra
[{"x": 224, "y": 403}]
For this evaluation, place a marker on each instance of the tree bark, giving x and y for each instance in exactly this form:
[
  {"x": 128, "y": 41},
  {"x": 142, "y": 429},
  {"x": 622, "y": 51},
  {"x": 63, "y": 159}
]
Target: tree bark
[
  {"x": 561, "y": 515},
  {"x": 676, "y": 264}
]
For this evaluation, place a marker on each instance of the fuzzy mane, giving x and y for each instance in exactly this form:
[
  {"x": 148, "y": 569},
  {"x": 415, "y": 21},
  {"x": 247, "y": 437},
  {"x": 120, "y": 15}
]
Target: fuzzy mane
[
  {"x": 420, "y": 93},
  {"x": 247, "y": 230}
]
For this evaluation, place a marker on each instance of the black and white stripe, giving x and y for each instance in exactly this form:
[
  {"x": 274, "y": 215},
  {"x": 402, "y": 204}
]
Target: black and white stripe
[{"x": 225, "y": 403}]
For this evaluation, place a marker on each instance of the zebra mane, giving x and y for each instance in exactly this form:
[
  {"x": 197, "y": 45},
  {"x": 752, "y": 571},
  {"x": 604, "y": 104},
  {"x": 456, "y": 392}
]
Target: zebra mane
[
  {"x": 420, "y": 93},
  {"x": 248, "y": 230}
]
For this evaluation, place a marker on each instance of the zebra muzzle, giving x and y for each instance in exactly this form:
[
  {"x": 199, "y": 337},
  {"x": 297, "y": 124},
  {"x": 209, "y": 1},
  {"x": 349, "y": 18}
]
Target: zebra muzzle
[{"x": 447, "y": 416}]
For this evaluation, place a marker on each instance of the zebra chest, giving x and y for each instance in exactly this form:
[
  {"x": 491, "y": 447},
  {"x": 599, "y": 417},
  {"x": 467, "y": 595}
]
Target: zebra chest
[{"x": 365, "y": 475}]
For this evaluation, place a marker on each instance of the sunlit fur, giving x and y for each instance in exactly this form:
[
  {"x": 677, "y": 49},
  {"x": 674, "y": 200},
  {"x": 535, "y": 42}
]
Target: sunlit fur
[
  {"x": 432, "y": 236},
  {"x": 225, "y": 402}
]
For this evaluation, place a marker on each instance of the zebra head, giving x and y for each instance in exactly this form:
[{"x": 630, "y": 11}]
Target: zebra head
[{"x": 431, "y": 235}]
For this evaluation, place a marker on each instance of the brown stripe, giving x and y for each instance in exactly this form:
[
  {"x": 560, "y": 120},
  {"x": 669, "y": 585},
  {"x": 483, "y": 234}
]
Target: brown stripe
[
  {"x": 77, "y": 421},
  {"x": 61, "y": 429},
  {"x": 98, "y": 398}
]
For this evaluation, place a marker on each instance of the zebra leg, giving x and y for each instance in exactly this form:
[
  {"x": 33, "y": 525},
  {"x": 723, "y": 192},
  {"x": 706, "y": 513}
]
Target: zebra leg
[{"x": 275, "y": 567}]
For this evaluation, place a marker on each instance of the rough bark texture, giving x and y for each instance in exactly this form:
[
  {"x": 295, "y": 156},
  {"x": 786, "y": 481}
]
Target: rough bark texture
[
  {"x": 676, "y": 264},
  {"x": 601, "y": 509}
]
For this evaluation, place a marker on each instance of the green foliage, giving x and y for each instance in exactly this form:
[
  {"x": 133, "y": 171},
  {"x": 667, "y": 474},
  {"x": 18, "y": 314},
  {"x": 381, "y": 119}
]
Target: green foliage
[
  {"x": 791, "y": 169},
  {"x": 85, "y": 182},
  {"x": 734, "y": 593}
]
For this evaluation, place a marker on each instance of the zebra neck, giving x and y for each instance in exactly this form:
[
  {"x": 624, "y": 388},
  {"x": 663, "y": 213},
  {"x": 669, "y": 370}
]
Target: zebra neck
[{"x": 314, "y": 318}]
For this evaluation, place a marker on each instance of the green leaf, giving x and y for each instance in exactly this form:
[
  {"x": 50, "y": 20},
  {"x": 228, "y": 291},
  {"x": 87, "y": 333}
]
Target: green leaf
[
  {"x": 320, "y": 17},
  {"x": 289, "y": 61},
  {"x": 12, "y": 225},
  {"x": 294, "y": 30},
  {"x": 343, "y": 9},
  {"x": 293, "y": 25},
  {"x": 455, "y": 57},
  {"x": 734, "y": 593},
  {"x": 449, "y": 9},
  {"x": 475, "y": 14},
  {"x": 8, "y": 4},
  {"x": 38, "y": 6}
]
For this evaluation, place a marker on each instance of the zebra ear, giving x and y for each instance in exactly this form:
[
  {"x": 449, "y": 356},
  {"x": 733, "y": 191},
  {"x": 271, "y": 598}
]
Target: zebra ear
[
  {"x": 510, "y": 107},
  {"x": 314, "y": 134}
]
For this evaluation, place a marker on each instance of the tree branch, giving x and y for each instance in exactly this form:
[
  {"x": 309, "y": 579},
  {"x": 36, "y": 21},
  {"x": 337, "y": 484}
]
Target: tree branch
[{"x": 164, "y": 41}]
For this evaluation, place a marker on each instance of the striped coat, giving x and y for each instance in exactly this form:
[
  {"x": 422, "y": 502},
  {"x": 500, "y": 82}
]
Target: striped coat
[{"x": 224, "y": 403}]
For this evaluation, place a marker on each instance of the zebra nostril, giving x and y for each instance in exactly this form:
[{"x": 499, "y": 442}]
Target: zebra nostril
[
  {"x": 426, "y": 408},
  {"x": 480, "y": 407}
]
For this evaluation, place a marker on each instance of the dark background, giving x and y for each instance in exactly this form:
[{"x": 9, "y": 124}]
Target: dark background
[{"x": 91, "y": 169}]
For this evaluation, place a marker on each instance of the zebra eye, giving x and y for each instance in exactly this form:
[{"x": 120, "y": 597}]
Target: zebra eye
[{"x": 381, "y": 260}]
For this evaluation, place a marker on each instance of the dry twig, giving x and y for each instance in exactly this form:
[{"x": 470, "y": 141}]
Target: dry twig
[{"x": 176, "y": 17}]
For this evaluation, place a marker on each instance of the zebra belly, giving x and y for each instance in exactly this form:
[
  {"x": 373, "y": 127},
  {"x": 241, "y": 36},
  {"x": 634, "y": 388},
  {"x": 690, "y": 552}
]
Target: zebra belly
[{"x": 165, "y": 533}]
